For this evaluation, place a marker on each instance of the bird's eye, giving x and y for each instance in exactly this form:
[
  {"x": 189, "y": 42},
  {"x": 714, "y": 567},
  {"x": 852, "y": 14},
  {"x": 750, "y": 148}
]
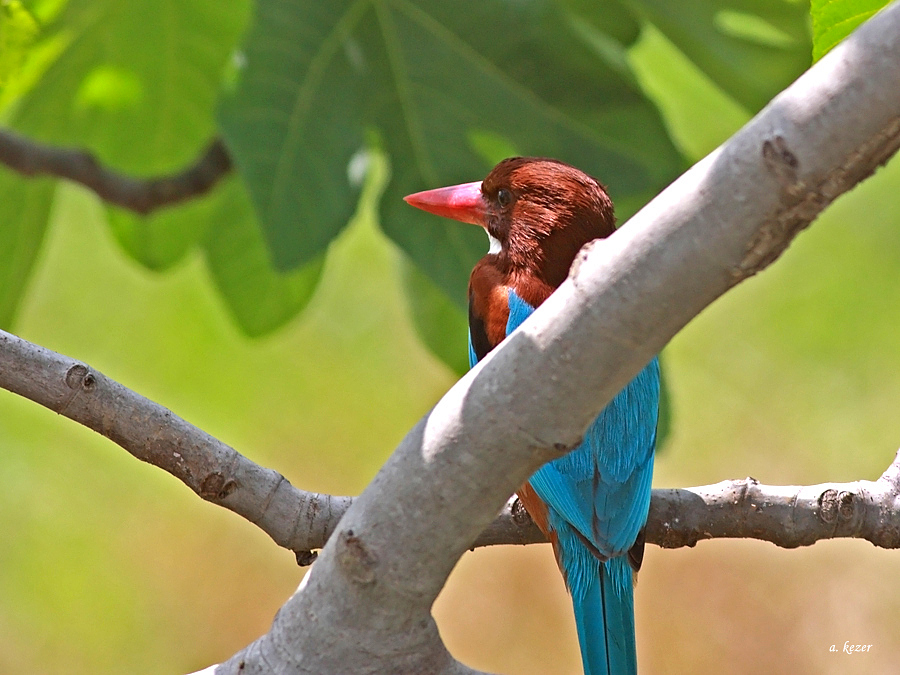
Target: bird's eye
[{"x": 504, "y": 197}]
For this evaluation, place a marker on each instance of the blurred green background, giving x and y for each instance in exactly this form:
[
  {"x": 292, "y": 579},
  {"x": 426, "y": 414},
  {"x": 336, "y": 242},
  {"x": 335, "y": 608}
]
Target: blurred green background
[{"x": 108, "y": 565}]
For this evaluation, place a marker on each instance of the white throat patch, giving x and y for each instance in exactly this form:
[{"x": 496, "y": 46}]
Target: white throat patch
[{"x": 495, "y": 245}]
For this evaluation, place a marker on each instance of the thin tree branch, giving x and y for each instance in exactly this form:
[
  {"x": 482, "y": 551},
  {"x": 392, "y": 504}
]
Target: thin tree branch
[
  {"x": 788, "y": 516},
  {"x": 295, "y": 519},
  {"x": 139, "y": 195},
  {"x": 301, "y": 521}
]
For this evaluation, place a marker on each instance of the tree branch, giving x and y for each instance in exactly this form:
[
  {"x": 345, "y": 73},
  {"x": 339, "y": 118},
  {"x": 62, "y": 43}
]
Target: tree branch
[
  {"x": 788, "y": 516},
  {"x": 301, "y": 521},
  {"x": 295, "y": 519},
  {"x": 139, "y": 195}
]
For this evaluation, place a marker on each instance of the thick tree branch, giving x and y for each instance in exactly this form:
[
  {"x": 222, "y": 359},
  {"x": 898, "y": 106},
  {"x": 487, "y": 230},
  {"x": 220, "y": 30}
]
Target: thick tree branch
[{"x": 139, "y": 195}]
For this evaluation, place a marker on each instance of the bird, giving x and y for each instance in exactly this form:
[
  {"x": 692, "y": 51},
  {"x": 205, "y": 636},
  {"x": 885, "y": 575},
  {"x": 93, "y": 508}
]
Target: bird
[{"x": 592, "y": 503}]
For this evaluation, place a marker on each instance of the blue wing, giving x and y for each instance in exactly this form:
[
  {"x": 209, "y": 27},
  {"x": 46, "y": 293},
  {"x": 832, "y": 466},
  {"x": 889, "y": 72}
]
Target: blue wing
[
  {"x": 602, "y": 488},
  {"x": 597, "y": 499}
]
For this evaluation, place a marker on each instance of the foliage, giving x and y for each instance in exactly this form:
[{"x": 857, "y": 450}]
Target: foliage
[
  {"x": 17, "y": 31},
  {"x": 833, "y": 20},
  {"x": 24, "y": 209},
  {"x": 312, "y": 89}
]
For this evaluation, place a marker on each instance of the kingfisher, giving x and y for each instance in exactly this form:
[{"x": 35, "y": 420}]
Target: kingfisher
[{"x": 592, "y": 503}]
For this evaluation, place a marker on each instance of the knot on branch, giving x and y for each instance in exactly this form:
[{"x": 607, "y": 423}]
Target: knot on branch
[
  {"x": 560, "y": 449},
  {"x": 779, "y": 159},
  {"x": 835, "y": 506},
  {"x": 355, "y": 558},
  {"x": 80, "y": 376},
  {"x": 215, "y": 487},
  {"x": 800, "y": 204}
]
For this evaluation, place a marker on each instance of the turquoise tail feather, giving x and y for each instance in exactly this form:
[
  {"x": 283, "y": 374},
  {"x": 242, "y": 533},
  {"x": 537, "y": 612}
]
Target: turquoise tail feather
[{"x": 604, "y": 616}]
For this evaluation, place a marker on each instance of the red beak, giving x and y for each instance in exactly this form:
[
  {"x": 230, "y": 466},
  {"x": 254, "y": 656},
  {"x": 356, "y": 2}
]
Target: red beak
[{"x": 459, "y": 202}]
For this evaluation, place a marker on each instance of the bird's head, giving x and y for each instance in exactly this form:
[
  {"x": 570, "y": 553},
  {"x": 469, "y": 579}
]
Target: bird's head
[{"x": 537, "y": 212}]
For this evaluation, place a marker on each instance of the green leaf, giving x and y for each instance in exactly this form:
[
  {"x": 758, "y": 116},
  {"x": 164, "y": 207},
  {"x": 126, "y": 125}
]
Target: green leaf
[
  {"x": 442, "y": 83},
  {"x": 162, "y": 238},
  {"x": 18, "y": 30},
  {"x": 40, "y": 56},
  {"x": 134, "y": 82},
  {"x": 608, "y": 27},
  {"x": 833, "y": 20},
  {"x": 752, "y": 49},
  {"x": 294, "y": 123},
  {"x": 259, "y": 298},
  {"x": 24, "y": 210},
  {"x": 610, "y": 17},
  {"x": 699, "y": 115},
  {"x": 440, "y": 323}
]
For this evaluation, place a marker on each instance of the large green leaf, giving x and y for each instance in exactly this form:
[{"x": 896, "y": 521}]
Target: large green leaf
[
  {"x": 135, "y": 82},
  {"x": 752, "y": 49},
  {"x": 295, "y": 122},
  {"x": 618, "y": 26},
  {"x": 439, "y": 322},
  {"x": 699, "y": 115},
  {"x": 442, "y": 85},
  {"x": 18, "y": 30},
  {"x": 163, "y": 237},
  {"x": 24, "y": 209},
  {"x": 833, "y": 20},
  {"x": 259, "y": 298}
]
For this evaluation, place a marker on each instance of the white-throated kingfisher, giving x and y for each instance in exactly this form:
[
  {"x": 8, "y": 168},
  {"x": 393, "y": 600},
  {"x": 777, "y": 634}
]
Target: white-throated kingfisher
[{"x": 592, "y": 503}]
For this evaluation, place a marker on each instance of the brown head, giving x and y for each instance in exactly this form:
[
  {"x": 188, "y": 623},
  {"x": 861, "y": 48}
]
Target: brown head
[{"x": 538, "y": 213}]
